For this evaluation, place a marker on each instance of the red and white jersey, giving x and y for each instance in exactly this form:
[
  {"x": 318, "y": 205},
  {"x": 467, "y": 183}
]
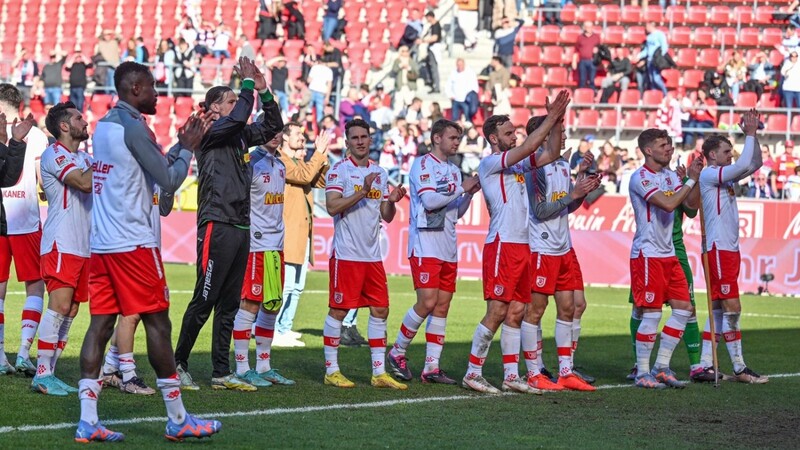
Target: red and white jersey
[
  {"x": 506, "y": 197},
  {"x": 549, "y": 184},
  {"x": 653, "y": 236},
  {"x": 69, "y": 211},
  {"x": 266, "y": 204},
  {"x": 21, "y": 201},
  {"x": 356, "y": 235},
  {"x": 436, "y": 201}
]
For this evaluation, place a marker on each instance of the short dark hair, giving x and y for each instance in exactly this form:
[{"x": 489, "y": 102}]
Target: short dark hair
[
  {"x": 441, "y": 125},
  {"x": 497, "y": 58},
  {"x": 288, "y": 127},
  {"x": 649, "y": 135},
  {"x": 713, "y": 142},
  {"x": 430, "y": 14},
  {"x": 10, "y": 95},
  {"x": 127, "y": 73},
  {"x": 355, "y": 123},
  {"x": 493, "y": 123},
  {"x": 214, "y": 95},
  {"x": 56, "y": 115},
  {"x": 534, "y": 123}
]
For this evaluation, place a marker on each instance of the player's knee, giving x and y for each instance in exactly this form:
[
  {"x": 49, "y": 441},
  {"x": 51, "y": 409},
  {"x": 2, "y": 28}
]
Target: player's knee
[
  {"x": 379, "y": 313},
  {"x": 337, "y": 314}
]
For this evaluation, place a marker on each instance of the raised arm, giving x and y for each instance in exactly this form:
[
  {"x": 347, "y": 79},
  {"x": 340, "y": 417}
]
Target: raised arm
[
  {"x": 555, "y": 113},
  {"x": 670, "y": 203},
  {"x": 750, "y": 159}
]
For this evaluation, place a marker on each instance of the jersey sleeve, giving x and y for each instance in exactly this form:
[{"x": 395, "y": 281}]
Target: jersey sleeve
[
  {"x": 711, "y": 176},
  {"x": 57, "y": 165},
  {"x": 421, "y": 179},
  {"x": 335, "y": 180},
  {"x": 643, "y": 185},
  {"x": 493, "y": 163}
]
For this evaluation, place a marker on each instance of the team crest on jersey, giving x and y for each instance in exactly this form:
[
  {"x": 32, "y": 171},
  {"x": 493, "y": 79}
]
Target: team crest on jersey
[
  {"x": 280, "y": 172},
  {"x": 424, "y": 277},
  {"x": 61, "y": 160},
  {"x": 332, "y": 176},
  {"x": 338, "y": 298},
  {"x": 425, "y": 178},
  {"x": 725, "y": 289},
  {"x": 649, "y": 297},
  {"x": 540, "y": 281},
  {"x": 256, "y": 289},
  {"x": 645, "y": 183},
  {"x": 564, "y": 172},
  {"x": 669, "y": 181},
  {"x": 498, "y": 289}
]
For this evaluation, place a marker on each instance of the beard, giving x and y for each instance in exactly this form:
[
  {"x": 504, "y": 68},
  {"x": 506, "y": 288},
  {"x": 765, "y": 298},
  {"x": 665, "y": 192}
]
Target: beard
[{"x": 79, "y": 134}]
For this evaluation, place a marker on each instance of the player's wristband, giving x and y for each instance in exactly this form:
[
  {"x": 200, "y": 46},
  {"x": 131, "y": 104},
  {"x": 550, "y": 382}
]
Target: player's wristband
[
  {"x": 266, "y": 96},
  {"x": 248, "y": 83},
  {"x": 689, "y": 183}
]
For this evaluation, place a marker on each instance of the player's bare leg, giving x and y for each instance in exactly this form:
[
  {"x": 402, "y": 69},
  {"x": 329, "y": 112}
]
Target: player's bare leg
[
  {"x": 435, "y": 336},
  {"x": 31, "y": 316},
  {"x": 532, "y": 344},
  {"x": 129, "y": 381},
  {"x": 661, "y": 375},
  {"x": 496, "y": 312},
  {"x": 59, "y": 308},
  {"x": 579, "y": 298}
]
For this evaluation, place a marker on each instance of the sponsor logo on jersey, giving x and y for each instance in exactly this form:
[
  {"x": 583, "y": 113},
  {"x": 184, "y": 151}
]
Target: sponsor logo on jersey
[
  {"x": 273, "y": 198},
  {"x": 669, "y": 193},
  {"x": 256, "y": 289},
  {"x": 498, "y": 289},
  {"x": 425, "y": 178},
  {"x": 101, "y": 167},
  {"x": 373, "y": 193},
  {"x": 556, "y": 196},
  {"x": 725, "y": 289},
  {"x": 545, "y": 235},
  {"x": 155, "y": 198},
  {"x": 540, "y": 281},
  {"x": 424, "y": 277},
  {"x": 520, "y": 178},
  {"x": 338, "y": 298},
  {"x": 61, "y": 160},
  {"x": 257, "y": 235},
  {"x": 649, "y": 297},
  {"x": 246, "y": 158}
]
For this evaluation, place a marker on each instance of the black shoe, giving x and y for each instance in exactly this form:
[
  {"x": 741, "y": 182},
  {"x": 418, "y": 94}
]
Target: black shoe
[
  {"x": 398, "y": 366},
  {"x": 582, "y": 375},
  {"x": 549, "y": 375},
  {"x": 350, "y": 337},
  {"x": 707, "y": 375}
]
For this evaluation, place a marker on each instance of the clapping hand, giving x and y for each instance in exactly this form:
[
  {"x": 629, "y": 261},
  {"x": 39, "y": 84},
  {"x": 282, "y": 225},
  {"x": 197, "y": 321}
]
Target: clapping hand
[
  {"x": 471, "y": 185},
  {"x": 20, "y": 128},
  {"x": 750, "y": 121},
  {"x": 398, "y": 193},
  {"x": 586, "y": 163},
  {"x": 321, "y": 142},
  {"x": 247, "y": 69},
  {"x": 368, "y": 180},
  {"x": 190, "y": 135},
  {"x": 3, "y": 129}
]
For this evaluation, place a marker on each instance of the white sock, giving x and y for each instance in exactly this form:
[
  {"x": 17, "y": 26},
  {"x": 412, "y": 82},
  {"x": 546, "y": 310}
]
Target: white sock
[
  {"x": 646, "y": 340},
  {"x": 408, "y": 329},
  {"x": 127, "y": 365},
  {"x": 63, "y": 336},
  {"x": 171, "y": 393},
  {"x": 733, "y": 339},
  {"x": 564, "y": 347},
  {"x": 434, "y": 336},
  {"x": 481, "y": 341},
  {"x": 48, "y": 341},
  {"x": 539, "y": 348},
  {"x": 31, "y": 315},
  {"x": 671, "y": 335},
  {"x": 529, "y": 333},
  {"x": 88, "y": 391},
  {"x": 376, "y": 334},
  {"x": 265, "y": 330},
  {"x": 242, "y": 326},
  {"x": 3, "y": 359},
  {"x": 576, "y": 334},
  {"x": 509, "y": 345},
  {"x": 112, "y": 360},
  {"x": 706, "y": 359},
  {"x": 331, "y": 333}
]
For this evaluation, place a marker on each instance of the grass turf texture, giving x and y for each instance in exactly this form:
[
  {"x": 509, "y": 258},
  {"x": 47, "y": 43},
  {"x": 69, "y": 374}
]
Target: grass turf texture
[{"x": 734, "y": 415}]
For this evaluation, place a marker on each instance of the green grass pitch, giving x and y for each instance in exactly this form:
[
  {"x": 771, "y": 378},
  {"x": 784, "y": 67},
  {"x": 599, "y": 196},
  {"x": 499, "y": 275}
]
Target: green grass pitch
[{"x": 312, "y": 415}]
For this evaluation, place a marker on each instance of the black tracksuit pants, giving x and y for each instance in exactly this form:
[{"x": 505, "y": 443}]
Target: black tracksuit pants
[{"x": 222, "y": 251}]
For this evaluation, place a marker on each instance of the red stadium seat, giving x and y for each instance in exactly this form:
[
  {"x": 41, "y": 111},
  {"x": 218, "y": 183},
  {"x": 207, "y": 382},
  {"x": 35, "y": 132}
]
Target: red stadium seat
[
  {"x": 583, "y": 96},
  {"x": 519, "y": 116},
  {"x": 518, "y": 97},
  {"x": 697, "y": 15},
  {"x": 530, "y": 55},
  {"x": 777, "y": 123},
  {"x": 614, "y": 35},
  {"x": 569, "y": 34},
  {"x": 164, "y": 106},
  {"x": 703, "y": 37},
  {"x": 728, "y": 119},
  {"x": 680, "y": 36},
  {"x": 631, "y": 14},
  {"x": 568, "y": 13},
  {"x": 720, "y": 15},
  {"x": 692, "y": 78},
  {"x": 588, "y": 12},
  {"x": 795, "y": 127},
  {"x": 748, "y": 37},
  {"x": 771, "y": 100},
  {"x": 676, "y": 14},
  {"x": 537, "y": 96},
  {"x": 687, "y": 57},
  {"x": 771, "y": 37},
  {"x": 548, "y": 34},
  {"x": 742, "y": 15},
  {"x": 184, "y": 106},
  {"x": 775, "y": 58},
  {"x": 527, "y": 35},
  {"x": 100, "y": 105},
  {"x": 588, "y": 118},
  {"x": 635, "y": 119},
  {"x": 672, "y": 78},
  {"x": 747, "y": 100},
  {"x": 652, "y": 97},
  {"x": 763, "y": 14},
  {"x": 533, "y": 76},
  {"x": 610, "y": 14},
  {"x": 551, "y": 55},
  {"x": 558, "y": 76},
  {"x": 609, "y": 119},
  {"x": 709, "y": 57},
  {"x": 629, "y": 97},
  {"x": 654, "y": 14},
  {"x": 635, "y": 35}
]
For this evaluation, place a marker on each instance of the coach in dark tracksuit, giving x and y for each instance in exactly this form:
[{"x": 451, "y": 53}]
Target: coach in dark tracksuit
[{"x": 223, "y": 220}]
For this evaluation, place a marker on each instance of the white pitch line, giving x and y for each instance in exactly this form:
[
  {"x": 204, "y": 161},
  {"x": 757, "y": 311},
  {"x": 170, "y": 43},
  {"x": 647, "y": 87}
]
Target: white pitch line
[{"x": 303, "y": 409}]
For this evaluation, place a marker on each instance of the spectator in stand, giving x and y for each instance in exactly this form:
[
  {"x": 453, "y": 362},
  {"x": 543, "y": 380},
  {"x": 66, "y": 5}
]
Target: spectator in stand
[
  {"x": 351, "y": 107},
  {"x": 320, "y": 83},
  {"x": 787, "y": 162},
  {"x": 336, "y": 146},
  {"x": 719, "y": 91},
  {"x": 502, "y": 9},
  {"x": 504, "y": 40},
  {"x": 793, "y": 12},
  {"x": 760, "y": 188},
  {"x": 735, "y": 74},
  {"x": 617, "y": 75},
  {"x": 332, "y": 57},
  {"x": 162, "y": 71},
  {"x": 294, "y": 23},
  {"x": 268, "y": 19},
  {"x": 108, "y": 48},
  {"x": 462, "y": 89},
  {"x": 789, "y": 43},
  {"x": 471, "y": 151},
  {"x": 791, "y": 81},
  {"x": 468, "y": 21},
  {"x": 499, "y": 83},
  {"x": 583, "y": 59},
  {"x": 246, "y": 50},
  {"x": 435, "y": 112},
  {"x": 656, "y": 40},
  {"x": 609, "y": 162},
  {"x": 308, "y": 59},
  {"x": 761, "y": 71},
  {"x": 222, "y": 39},
  {"x": 767, "y": 159},
  {"x": 205, "y": 39},
  {"x": 187, "y": 31},
  {"x": 330, "y": 20},
  {"x": 669, "y": 113},
  {"x": 413, "y": 114},
  {"x": 552, "y": 14},
  {"x": 141, "y": 50},
  {"x": 130, "y": 51},
  {"x": 53, "y": 80},
  {"x": 585, "y": 145},
  {"x": 792, "y": 186},
  {"x": 26, "y": 71},
  {"x": 77, "y": 65},
  {"x": 405, "y": 72},
  {"x": 279, "y": 75},
  {"x": 412, "y": 33},
  {"x": 702, "y": 115},
  {"x": 434, "y": 40},
  {"x": 299, "y": 99},
  {"x": 184, "y": 69}
]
